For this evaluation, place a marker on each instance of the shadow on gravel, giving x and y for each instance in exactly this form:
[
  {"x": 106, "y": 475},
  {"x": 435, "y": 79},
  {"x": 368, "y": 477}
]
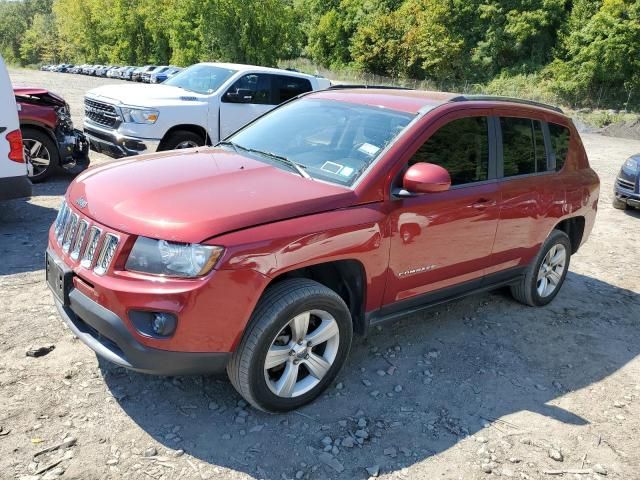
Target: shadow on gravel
[
  {"x": 449, "y": 372},
  {"x": 24, "y": 228}
]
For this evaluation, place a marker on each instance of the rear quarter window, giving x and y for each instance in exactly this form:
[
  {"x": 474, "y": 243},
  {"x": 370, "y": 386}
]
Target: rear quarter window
[{"x": 560, "y": 143}]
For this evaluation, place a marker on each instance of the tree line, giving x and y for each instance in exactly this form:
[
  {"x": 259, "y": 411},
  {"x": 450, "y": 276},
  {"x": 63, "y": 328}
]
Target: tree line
[{"x": 585, "y": 52}]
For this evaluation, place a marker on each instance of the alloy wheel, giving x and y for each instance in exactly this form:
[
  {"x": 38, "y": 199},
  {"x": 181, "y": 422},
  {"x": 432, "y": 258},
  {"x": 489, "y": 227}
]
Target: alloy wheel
[
  {"x": 302, "y": 353},
  {"x": 37, "y": 155},
  {"x": 551, "y": 270}
]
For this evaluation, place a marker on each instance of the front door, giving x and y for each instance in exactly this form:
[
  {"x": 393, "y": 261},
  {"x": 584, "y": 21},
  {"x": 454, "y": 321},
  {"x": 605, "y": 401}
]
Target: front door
[
  {"x": 248, "y": 98},
  {"x": 443, "y": 239}
]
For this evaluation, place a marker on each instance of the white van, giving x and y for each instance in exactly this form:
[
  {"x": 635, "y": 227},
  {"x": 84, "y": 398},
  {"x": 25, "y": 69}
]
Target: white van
[
  {"x": 202, "y": 104},
  {"x": 14, "y": 182}
]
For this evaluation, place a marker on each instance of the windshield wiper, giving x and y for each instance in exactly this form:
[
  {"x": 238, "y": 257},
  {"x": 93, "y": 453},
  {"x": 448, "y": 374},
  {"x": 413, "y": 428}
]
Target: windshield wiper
[{"x": 290, "y": 163}]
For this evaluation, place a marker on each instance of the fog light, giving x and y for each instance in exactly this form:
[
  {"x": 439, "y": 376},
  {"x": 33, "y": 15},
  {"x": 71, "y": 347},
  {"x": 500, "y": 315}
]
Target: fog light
[{"x": 163, "y": 324}]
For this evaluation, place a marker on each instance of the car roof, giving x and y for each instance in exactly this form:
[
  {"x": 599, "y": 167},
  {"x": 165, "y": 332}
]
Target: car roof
[
  {"x": 242, "y": 68},
  {"x": 416, "y": 101}
]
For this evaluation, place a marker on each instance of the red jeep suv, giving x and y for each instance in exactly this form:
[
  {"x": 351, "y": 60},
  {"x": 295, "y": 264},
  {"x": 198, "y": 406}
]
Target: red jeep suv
[{"x": 336, "y": 211}]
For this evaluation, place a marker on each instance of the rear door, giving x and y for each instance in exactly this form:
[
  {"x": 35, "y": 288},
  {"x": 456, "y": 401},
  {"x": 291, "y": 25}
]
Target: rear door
[{"x": 532, "y": 194}]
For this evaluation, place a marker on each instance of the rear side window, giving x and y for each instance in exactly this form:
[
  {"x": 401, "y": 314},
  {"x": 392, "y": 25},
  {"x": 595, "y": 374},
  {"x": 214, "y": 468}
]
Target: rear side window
[
  {"x": 560, "y": 143},
  {"x": 462, "y": 147},
  {"x": 523, "y": 149},
  {"x": 286, "y": 88}
]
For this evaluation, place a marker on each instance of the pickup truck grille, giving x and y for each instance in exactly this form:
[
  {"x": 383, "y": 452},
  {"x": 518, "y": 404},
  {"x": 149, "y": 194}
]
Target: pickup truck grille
[
  {"x": 626, "y": 184},
  {"x": 71, "y": 231},
  {"x": 101, "y": 113}
]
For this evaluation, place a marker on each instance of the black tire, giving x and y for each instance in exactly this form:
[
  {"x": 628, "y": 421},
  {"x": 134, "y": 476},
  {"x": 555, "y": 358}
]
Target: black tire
[
  {"x": 31, "y": 135},
  {"x": 618, "y": 204},
  {"x": 181, "y": 136},
  {"x": 526, "y": 291},
  {"x": 278, "y": 305}
]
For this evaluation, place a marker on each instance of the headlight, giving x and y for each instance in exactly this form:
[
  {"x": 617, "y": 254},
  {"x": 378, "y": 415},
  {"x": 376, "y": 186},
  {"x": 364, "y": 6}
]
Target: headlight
[
  {"x": 139, "y": 115},
  {"x": 159, "y": 257},
  {"x": 632, "y": 165}
]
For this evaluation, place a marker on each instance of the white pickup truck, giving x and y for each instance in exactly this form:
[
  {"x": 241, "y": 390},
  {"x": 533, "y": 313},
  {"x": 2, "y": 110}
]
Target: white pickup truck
[{"x": 201, "y": 105}]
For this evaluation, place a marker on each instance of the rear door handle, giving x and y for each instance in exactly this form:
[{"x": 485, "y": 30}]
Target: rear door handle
[{"x": 483, "y": 204}]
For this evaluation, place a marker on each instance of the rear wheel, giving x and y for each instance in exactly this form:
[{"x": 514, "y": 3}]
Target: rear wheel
[
  {"x": 296, "y": 343},
  {"x": 182, "y": 139},
  {"x": 547, "y": 272},
  {"x": 40, "y": 153}
]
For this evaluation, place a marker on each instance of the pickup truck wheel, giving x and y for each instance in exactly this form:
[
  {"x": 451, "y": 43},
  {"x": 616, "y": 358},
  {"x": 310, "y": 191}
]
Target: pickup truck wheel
[
  {"x": 40, "y": 153},
  {"x": 182, "y": 139},
  {"x": 295, "y": 344},
  {"x": 547, "y": 272}
]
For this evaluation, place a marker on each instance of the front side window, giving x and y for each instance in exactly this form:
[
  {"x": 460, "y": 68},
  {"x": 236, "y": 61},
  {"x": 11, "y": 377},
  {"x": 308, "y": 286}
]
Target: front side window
[
  {"x": 523, "y": 149},
  {"x": 252, "y": 88},
  {"x": 560, "y": 143},
  {"x": 461, "y": 147},
  {"x": 203, "y": 79},
  {"x": 331, "y": 140}
]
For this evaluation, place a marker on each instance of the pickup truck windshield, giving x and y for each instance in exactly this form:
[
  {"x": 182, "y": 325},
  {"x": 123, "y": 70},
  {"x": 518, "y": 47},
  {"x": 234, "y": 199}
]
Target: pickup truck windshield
[
  {"x": 202, "y": 79},
  {"x": 331, "y": 140}
]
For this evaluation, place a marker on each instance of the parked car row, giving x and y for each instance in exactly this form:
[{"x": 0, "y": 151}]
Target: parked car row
[{"x": 146, "y": 74}]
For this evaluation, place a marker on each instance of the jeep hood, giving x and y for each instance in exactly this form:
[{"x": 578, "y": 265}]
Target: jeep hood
[
  {"x": 192, "y": 195},
  {"x": 144, "y": 95}
]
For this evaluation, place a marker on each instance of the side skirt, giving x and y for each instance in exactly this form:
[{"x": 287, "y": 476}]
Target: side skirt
[{"x": 407, "y": 307}]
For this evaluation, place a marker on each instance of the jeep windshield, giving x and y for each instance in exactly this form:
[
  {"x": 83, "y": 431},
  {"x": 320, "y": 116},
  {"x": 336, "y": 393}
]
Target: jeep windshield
[
  {"x": 331, "y": 140},
  {"x": 203, "y": 79}
]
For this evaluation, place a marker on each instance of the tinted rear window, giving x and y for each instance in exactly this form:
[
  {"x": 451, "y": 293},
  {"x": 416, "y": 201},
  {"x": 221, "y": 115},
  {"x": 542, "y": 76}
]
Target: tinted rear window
[
  {"x": 285, "y": 88},
  {"x": 560, "y": 143},
  {"x": 523, "y": 149}
]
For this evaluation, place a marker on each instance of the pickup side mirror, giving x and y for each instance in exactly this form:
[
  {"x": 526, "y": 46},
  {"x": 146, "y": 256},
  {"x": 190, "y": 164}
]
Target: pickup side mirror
[
  {"x": 426, "y": 178},
  {"x": 241, "y": 95}
]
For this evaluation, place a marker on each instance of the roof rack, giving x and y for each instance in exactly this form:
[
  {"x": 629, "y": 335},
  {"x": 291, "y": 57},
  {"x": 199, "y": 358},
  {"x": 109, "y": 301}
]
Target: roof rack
[
  {"x": 377, "y": 87},
  {"x": 495, "y": 98}
]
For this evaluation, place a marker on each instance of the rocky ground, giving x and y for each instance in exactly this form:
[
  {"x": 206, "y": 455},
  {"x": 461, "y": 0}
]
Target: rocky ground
[{"x": 477, "y": 389}]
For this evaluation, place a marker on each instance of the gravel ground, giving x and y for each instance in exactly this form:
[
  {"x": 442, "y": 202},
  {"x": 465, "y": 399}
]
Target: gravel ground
[{"x": 479, "y": 388}]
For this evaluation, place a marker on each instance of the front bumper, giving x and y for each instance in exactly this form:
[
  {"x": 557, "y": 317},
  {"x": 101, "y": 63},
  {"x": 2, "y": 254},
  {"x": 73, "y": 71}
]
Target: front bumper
[
  {"x": 74, "y": 150},
  {"x": 113, "y": 144},
  {"x": 627, "y": 191},
  {"x": 105, "y": 333}
]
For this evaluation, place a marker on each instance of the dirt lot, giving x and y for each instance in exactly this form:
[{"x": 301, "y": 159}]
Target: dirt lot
[{"x": 475, "y": 389}]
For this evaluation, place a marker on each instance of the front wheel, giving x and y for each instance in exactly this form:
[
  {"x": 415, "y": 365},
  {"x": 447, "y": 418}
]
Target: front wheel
[
  {"x": 182, "y": 139},
  {"x": 547, "y": 272},
  {"x": 618, "y": 204},
  {"x": 296, "y": 342},
  {"x": 40, "y": 153}
]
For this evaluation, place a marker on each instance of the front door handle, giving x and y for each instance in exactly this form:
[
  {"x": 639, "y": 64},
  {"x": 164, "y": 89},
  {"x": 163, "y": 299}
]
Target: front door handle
[{"x": 483, "y": 204}]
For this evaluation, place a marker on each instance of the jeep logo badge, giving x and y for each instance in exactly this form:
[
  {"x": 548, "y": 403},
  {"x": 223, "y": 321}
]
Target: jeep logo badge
[{"x": 81, "y": 202}]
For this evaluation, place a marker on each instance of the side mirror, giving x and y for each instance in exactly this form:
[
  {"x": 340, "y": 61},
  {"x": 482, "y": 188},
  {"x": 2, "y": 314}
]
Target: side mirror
[
  {"x": 241, "y": 95},
  {"x": 426, "y": 178}
]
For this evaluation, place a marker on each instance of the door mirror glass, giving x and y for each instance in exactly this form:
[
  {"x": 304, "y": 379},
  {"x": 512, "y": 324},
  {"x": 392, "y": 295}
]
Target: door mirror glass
[{"x": 426, "y": 178}]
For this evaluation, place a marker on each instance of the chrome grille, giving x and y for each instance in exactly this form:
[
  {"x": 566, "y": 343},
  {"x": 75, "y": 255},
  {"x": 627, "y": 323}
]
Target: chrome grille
[
  {"x": 92, "y": 246},
  {"x": 626, "y": 184},
  {"x": 70, "y": 232},
  {"x": 107, "y": 253},
  {"x": 77, "y": 243},
  {"x": 101, "y": 113},
  {"x": 60, "y": 219}
]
